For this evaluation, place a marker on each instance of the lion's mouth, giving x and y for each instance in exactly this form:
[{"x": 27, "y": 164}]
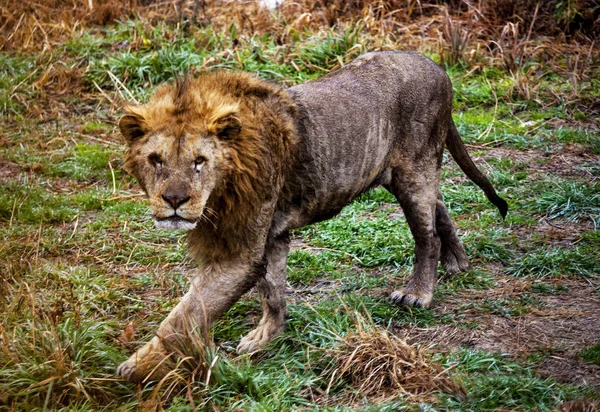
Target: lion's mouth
[{"x": 174, "y": 222}]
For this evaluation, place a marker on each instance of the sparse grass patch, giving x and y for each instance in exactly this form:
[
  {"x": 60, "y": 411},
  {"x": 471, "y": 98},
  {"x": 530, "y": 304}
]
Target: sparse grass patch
[
  {"x": 490, "y": 244},
  {"x": 494, "y": 382},
  {"x": 591, "y": 354},
  {"x": 16, "y": 75},
  {"x": 473, "y": 279},
  {"x": 94, "y": 127},
  {"x": 587, "y": 137},
  {"x": 85, "y": 162},
  {"x": 549, "y": 288},
  {"x": 550, "y": 262},
  {"x": 34, "y": 205},
  {"x": 510, "y": 307}
]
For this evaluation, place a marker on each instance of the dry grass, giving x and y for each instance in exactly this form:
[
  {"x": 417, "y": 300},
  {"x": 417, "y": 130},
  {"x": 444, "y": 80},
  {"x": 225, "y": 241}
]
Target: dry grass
[
  {"x": 378, "y": 363},
  {"x": 580, "y": 405},
  {"x": 40, "y": 25},
  {"x": 509, "y": 34},
  {"x": 191, "y": 366}
]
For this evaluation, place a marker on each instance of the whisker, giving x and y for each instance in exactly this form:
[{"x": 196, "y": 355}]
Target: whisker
[
  {"x": 204, "y": 217},
  {"x": 210, "y": 211}
]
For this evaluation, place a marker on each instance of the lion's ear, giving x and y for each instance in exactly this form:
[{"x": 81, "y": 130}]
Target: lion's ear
[
  {"x": 228, "y": 127},
  {"x": 132, "y": 126}
]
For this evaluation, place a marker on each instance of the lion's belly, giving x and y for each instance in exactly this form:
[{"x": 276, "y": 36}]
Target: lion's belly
[
  {"x": 346, "y": 152},
  {"x": 338, "y": 166}
]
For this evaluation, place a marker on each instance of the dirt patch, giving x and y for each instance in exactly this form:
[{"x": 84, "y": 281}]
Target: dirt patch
[
  {"x": 8, "y": 171},
  {"x": 580, "y": 405},
  {"x": 563, "y": 234},
  {"x": 549, "y": 233},
  {"x": 566, "y": 163},
  {"x": 557, "y": 327},
  {"x": 570, "y": 370}
]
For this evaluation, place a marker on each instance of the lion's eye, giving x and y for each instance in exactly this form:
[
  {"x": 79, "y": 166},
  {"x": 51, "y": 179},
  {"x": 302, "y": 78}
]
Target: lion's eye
[
  {"x": 155, "y": 160},
  {"x": 199, "y": 162}
]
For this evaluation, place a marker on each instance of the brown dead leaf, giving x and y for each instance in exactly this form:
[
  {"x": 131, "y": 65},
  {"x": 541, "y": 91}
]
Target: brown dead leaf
[{"x": 128, "y": 335}]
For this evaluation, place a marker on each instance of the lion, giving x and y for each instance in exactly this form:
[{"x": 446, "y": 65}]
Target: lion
[{"x": 238, "y": 163}]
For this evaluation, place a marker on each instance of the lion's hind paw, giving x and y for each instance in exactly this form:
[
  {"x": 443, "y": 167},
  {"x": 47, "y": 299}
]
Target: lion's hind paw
[{"x": 404, "y": 298}]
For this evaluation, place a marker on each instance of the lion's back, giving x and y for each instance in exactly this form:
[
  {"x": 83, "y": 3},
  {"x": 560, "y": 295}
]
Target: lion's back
[{"x": 352, "y": 119}]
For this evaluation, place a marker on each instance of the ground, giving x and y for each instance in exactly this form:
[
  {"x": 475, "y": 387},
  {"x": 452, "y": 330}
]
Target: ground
[{"x": 85, "y": 277}]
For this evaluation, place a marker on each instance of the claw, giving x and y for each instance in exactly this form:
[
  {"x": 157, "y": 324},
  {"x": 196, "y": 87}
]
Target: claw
[{"x": 404, "y": 298}]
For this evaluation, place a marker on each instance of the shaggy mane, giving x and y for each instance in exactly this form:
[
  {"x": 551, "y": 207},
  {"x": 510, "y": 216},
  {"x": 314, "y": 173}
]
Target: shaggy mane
[{"x": 256, "y": 157}]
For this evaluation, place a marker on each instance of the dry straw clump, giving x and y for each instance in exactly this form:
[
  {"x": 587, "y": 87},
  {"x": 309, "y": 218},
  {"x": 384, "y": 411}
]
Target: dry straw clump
[
  {"x": 41, "y": 24},
  {"x": 377, "y": 362}
]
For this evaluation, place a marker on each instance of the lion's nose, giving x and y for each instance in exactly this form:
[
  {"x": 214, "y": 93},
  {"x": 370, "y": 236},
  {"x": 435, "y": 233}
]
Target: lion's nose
[{"x": 175, "y": 199}]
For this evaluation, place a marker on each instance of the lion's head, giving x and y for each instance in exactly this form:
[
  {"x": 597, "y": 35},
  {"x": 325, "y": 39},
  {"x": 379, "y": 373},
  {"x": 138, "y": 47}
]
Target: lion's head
[{"x": 208, "y": 149}]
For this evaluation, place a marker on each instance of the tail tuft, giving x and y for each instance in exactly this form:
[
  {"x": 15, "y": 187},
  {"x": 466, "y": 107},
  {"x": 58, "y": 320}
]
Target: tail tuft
[{"x": 501, "y": 205}]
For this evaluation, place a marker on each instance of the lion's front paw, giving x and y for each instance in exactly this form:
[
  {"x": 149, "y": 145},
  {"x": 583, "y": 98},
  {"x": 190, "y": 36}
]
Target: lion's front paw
[
  {"x": 259, "y": 337},
  {"x": 127, "y": 370},
  {"x": 404, "y": 297},
  {"x": 147, "y": 364}
]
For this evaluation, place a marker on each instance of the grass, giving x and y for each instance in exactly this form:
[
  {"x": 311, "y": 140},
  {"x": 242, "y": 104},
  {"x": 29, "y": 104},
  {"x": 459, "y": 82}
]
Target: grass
[
  {"x": 16, "y": 74},
  {"x": 573, "y": 201},
  {"x": 556, "y": 261},
  {"x": 591, "y": 354},
  {"x": 82, "y": 263},
  {"x": 499, "y": 383}
]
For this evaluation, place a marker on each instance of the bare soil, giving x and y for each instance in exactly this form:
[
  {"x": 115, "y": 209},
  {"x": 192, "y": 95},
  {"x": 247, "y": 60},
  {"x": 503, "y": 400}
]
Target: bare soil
[{"x": 556, "y": 329}]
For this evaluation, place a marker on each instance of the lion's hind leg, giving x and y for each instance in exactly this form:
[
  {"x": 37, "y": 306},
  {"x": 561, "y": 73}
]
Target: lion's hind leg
[
  {"x": 417, "y": 193},
  {"x": 453, "y": 256},
  {"x": 271, "y": 289}
]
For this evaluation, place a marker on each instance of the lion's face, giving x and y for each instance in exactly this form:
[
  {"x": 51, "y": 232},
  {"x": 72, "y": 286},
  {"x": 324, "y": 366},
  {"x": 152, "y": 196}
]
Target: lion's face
[
  {"x": 179, "y": 155},
  {"x": 179, "y": 174}
]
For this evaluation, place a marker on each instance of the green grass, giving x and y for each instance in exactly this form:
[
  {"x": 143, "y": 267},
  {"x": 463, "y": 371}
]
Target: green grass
[
  {"x": 498, "y": 383},
  {"x": 60, "y": 363},
  {"x": 573, "y": 201},
  {"x": 544, "y": 262},
  {"x": 591, "y": 354},
  {"x": 16, "y": 75},
  {"x": 29, "y": 203},
  {"x": 81, "y": 259},
  {"x": 365, "y": 233}
]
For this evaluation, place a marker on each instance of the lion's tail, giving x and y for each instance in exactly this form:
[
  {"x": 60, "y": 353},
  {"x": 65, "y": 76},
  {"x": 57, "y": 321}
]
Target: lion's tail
[{"x": 459, "y": 152}]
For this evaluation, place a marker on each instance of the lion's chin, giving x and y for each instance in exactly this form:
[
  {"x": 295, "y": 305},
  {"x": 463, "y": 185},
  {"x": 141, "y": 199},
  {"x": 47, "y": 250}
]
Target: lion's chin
[{"x": 174, "y": 223}]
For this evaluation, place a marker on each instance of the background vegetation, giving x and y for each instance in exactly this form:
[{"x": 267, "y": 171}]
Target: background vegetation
[{"x": 85, "y": 278}]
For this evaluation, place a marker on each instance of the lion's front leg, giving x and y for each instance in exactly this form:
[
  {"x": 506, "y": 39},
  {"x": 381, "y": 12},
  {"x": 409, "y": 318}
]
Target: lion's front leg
[
  {"x": 214, "y": 290},
  {"x": 271, "y": 289}
]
